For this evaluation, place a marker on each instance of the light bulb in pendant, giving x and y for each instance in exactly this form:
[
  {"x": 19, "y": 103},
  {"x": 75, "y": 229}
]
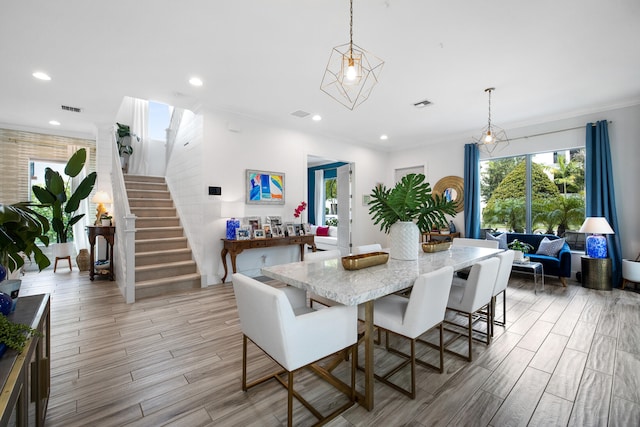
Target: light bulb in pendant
[
  {"x": 351, "y": 73},
  {"x": 488, "y": 138}
]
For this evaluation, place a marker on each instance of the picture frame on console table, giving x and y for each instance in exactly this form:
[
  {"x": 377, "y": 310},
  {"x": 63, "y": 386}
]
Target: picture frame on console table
[
  {"x": 264, "y": 188},
  {"x": 273, "y": 220},
  {"x": 243, "y": 233},
  {"x": 253, "y": 222},
  {"x": 277, "y": 231},
  {"x": 258, "y": 233}
]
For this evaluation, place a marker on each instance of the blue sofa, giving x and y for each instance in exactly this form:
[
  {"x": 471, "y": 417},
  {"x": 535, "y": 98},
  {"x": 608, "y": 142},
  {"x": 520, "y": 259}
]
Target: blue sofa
[{"x": 553, "y": 266}]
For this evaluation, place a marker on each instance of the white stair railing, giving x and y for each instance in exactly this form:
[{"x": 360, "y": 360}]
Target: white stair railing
[{"x": 125, "y": 221}]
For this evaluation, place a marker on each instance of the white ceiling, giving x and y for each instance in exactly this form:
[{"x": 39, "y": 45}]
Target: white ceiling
[{"x": 547, "y": 59}]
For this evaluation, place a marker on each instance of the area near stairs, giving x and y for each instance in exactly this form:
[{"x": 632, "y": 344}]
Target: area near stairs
[{"x": 164, "y": 261}]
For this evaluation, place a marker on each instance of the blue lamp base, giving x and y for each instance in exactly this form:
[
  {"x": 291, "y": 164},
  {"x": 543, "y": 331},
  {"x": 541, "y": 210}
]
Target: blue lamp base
[
  {"x": 596, "y": 246},
  {"x": 232, "y": 225}
]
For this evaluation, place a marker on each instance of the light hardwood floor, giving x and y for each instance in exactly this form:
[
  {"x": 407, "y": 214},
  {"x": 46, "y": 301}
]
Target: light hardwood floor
[{"x": 569, "y": 356}]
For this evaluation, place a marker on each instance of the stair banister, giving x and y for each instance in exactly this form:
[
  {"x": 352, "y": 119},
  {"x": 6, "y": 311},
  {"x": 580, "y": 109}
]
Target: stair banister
[{"x": 125, "y": 266}]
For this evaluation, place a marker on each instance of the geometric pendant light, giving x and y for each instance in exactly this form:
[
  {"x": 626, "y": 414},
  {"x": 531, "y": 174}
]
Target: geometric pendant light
[
  {"x": 492, "y": 136},
  {"x": 351, "y": 73}
]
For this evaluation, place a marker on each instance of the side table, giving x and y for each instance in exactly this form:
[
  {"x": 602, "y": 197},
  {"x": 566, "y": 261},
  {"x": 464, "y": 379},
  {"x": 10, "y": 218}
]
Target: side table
[
  {"x": 596, "y": 273},
  {"x": 109, "y": 233},
  {"x": 533, "y": 267}
]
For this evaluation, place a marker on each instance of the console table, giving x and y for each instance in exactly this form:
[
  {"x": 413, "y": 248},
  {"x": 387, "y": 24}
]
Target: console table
[
  {"x": 25, "y": 377},
  {"x": 109, "y": 233},
  {"x": 235, "y": 247}
]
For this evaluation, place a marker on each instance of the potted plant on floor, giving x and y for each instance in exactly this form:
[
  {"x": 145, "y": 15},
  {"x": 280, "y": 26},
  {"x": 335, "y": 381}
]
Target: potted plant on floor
[
  {"x": 63, "y": 202},
  {"x": 406, "y": 210}
]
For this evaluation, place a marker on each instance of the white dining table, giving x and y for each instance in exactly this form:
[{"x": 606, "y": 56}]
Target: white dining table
[{"x": 330, "y": 280}]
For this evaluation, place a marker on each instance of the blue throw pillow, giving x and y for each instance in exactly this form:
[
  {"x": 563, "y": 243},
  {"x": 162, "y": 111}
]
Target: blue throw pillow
[
  {"x": 501, "y": 238},
  {"x": 550, "y": 247}
]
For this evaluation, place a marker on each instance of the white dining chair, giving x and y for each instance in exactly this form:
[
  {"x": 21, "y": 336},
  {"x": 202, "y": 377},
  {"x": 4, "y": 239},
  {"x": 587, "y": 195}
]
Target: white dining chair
[
  {"x": 474, "y": 296},
  {"x": 478, "y": 243},
  {"x": 500, "y": 287},
  {"x": 268, "y": 318},
  {"x": 412, "y": 317},
  {"x": 365, "y": 249}
]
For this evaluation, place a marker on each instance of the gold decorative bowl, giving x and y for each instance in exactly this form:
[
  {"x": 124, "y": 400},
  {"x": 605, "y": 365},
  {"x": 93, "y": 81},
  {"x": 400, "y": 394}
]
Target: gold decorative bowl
[
  {"x": 356, "y": 262},
  {"x": 431, "y": 247}
]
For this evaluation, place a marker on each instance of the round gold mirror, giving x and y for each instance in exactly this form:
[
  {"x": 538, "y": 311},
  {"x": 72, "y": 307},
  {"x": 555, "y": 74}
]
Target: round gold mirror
[{"x": 451, "y": 188}]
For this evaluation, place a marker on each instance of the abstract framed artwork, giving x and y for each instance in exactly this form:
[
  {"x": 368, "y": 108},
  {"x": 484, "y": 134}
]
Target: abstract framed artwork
[{"x": 265, "y": 187}]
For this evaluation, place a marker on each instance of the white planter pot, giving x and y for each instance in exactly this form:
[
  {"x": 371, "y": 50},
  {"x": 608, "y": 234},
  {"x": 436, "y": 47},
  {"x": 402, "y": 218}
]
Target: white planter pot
[
  {"x": 405, "y": 241},
  {"x": 518, "y": 256},
  {"x": 105, "y": 222},
  {"x": 62, "y": 250}
]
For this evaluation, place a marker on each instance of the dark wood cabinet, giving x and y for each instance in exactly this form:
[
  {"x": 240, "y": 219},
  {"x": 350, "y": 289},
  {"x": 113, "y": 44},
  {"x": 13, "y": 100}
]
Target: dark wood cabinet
[{"x": 25, "y": 377}]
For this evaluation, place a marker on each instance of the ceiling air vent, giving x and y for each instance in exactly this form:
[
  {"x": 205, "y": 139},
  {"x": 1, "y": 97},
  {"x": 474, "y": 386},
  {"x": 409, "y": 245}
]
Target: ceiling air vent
[
  {"x": 422, "y": 104},
  {"x": 72, "y": 109},
  {"x": 300, "y": 113}
]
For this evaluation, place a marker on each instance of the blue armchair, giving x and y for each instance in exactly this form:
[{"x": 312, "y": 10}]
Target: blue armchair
[{"x": 553, "y": 266}]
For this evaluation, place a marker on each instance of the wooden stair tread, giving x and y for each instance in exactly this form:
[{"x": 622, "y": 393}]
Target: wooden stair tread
[
  {"x": 168, "y": 280},
  {"x": 164, "y": 265}
]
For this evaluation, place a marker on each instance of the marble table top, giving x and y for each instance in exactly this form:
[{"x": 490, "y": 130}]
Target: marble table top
[{"x": 352, "y": 287}]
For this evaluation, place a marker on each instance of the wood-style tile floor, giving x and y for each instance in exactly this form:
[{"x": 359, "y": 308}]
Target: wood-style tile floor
[{"x": 569, "y": 356}]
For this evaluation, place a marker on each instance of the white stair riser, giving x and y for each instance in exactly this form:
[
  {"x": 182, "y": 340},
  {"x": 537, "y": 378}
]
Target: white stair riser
[
  {"x": 158, "y": 233},
  {"x": 155, "y": 245},
  {"x": 161, "y": 288},
  {"x": 153, "y": 212},
  {"x": 162, "y": 257},
  {"x": 150, "y": 203},
  {"x": 162, "y": 271}
]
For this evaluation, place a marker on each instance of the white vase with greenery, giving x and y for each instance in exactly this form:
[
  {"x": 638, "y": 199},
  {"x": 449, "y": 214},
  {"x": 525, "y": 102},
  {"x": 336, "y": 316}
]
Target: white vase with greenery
[{"x": 406, "y": 210}]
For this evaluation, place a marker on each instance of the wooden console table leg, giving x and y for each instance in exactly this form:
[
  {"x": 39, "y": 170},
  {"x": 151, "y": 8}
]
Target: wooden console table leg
[{"x": 223, "y": 255}]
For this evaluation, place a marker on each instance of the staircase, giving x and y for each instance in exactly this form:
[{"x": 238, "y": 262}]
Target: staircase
[{"x": 164, "y": 263}]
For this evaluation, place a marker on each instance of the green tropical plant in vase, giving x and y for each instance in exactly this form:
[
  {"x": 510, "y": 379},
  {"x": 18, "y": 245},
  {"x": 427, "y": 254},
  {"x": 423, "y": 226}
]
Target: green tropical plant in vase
[
  {"x": 406, "y": 210},
  {"x": 54, "y": 195},
  {"x": 410, "y": 200}
]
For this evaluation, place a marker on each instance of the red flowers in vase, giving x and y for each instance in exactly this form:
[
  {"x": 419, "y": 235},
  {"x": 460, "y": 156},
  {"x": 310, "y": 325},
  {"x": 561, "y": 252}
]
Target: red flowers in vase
[{"x": 298, "y": 211}]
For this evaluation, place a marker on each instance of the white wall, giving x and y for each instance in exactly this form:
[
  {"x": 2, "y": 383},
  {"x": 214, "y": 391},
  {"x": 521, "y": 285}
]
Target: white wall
[
  {"x": 447, "y": 158},
  {"x": 220, "y": 157}
]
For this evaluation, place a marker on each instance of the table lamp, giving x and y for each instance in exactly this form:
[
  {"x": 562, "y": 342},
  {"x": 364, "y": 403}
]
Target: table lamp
[
  {"x": 596, "y": 243},
  {"x": 232, "y": 211},
  {"x": 101, "y": 197}
]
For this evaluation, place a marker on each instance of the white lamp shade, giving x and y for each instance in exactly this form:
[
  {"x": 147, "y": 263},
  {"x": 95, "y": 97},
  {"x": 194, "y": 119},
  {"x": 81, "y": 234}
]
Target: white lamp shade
[
  {"x": 596, "y": 225},
  {"x": 101, "y": 197},
  {"x": 232, "y": 210}
]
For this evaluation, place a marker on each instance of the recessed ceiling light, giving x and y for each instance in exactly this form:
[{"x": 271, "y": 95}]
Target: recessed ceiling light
[
  {"x": 41, "y": 76},
  {"x": 195, "y": 81},
  {"x": 384, "y": 137},
  {"x": 316, "y": 118},
  {"x": 54, "y": 122}
]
